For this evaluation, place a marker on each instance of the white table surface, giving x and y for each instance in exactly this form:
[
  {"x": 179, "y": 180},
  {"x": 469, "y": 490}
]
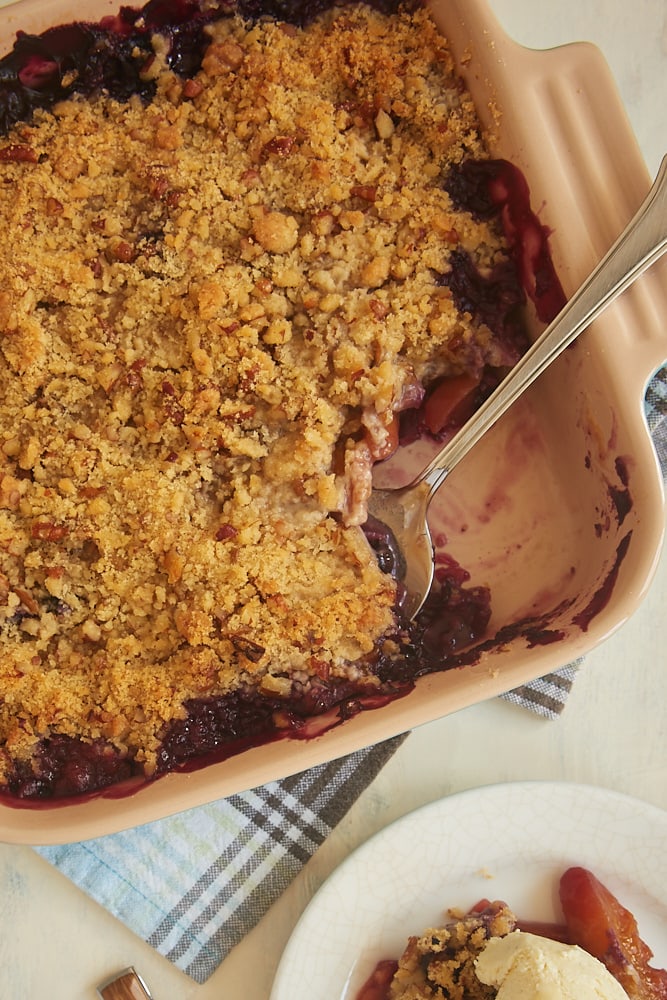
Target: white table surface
[{"x": 55, "y": 944}]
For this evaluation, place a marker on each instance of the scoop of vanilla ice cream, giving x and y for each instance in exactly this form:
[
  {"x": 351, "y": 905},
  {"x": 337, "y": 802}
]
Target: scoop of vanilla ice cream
[{"x": 529, "y": 967}]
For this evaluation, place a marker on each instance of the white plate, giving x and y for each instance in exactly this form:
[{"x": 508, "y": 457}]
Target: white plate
[{"x": 509, "y": 842}]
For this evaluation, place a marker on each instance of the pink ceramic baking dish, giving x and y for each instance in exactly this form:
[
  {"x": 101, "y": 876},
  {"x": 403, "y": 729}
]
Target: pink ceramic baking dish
[{"x": 560, "y": 511}]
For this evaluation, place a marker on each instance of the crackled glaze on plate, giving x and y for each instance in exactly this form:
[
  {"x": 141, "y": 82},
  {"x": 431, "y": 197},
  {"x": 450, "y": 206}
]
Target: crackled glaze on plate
[{"x": 508, "y": 841}]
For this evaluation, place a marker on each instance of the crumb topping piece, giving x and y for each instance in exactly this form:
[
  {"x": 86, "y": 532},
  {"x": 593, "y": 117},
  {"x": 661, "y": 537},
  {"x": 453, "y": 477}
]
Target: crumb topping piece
[
  {"x": 211, "y": 309},
  {"x": 441, "y": 963}
]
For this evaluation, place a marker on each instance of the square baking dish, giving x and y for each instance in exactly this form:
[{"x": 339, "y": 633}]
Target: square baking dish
[{"x": 560, "y": 510}]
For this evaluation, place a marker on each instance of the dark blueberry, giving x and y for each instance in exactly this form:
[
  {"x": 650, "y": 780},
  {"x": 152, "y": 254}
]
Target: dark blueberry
[
  {"x": 494, "y": 299},
  {"x": 233, "y": 721},
  {"x": 385, "y": 546},
  {"x": 496, "y": 188},
  {"x": 67, "y": 767}
]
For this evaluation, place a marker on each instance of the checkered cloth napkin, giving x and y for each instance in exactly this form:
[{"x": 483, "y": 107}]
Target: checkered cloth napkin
[{"x": 195, "y": 884}]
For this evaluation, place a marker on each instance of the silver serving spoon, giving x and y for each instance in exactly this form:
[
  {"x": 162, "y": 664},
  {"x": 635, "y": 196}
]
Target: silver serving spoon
[{"x": 404, "y": 510}]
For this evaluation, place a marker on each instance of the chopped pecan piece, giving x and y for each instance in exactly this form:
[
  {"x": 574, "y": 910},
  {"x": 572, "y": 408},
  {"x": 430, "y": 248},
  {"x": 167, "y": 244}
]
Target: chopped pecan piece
[
  {"x": 18, "y": 153},
  {"x": 251, "y": 650},
  {"x": 281, "y": 145},
  {"x": 48, "y": 531}
]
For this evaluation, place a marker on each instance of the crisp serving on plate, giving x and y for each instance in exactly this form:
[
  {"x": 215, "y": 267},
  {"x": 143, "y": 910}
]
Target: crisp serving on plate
[
  {"x": 489, "y": 953},
  {"x": 218, "y": 291}
]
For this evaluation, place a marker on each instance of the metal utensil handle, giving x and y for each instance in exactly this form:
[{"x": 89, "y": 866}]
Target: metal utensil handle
[
  {"x": 125, "y": 985},
  {"x": 640, "y": 244}
]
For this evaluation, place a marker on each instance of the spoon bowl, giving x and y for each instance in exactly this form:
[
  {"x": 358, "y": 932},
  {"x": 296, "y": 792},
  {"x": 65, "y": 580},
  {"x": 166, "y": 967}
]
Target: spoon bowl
[{"x": 404, "y": 510}]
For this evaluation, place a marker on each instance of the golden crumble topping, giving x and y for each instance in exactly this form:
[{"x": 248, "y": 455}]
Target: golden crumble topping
[
  {"x": 441, "y": 963},
  {"x": 211, "y": 309}
]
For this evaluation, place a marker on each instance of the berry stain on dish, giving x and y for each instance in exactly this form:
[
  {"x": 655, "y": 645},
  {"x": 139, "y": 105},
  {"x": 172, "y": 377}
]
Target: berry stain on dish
[{"x": 199, "y": 382}]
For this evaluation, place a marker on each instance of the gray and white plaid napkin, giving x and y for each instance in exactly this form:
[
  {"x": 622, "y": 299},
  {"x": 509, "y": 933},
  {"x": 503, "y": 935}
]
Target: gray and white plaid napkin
[{"x": 195, "y": 884}]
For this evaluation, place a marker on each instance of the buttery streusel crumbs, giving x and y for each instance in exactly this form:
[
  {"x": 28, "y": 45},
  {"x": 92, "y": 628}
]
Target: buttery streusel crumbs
[
  {"x": 211, "y": 308},
  {"x": 441, "y": 962}
]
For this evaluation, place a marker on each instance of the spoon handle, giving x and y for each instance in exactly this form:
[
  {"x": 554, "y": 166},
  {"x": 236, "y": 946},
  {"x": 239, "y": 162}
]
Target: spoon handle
[
  {"x": 640, "y": 244},
  {"x": 126, "y": 985}
]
